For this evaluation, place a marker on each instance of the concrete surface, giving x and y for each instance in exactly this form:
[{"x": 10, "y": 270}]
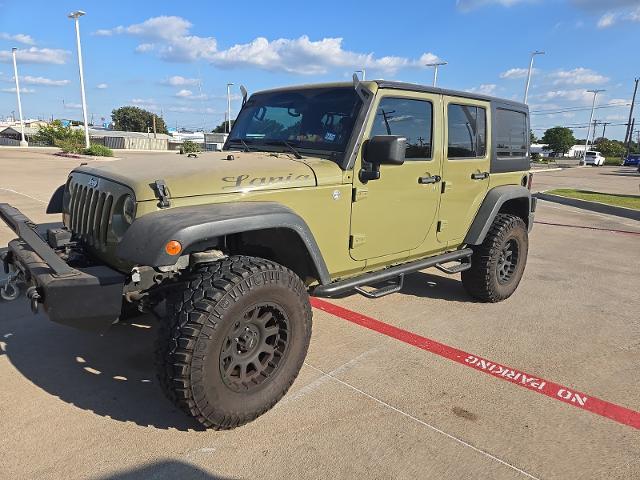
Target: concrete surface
[
  {"x": 76, "y": 405},
  {"x": 606, "y": 179}
]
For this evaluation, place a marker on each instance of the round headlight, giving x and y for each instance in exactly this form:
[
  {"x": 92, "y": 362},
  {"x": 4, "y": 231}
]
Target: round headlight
[{"x": 128, "y": 209}]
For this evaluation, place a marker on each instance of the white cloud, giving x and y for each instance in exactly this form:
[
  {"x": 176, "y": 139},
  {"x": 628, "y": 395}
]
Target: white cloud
[
  {"x": 577, "y": 76},
  {"x": 178, "y": 81},
  {"x": 37, "y": 55},
  {"x": 146, "y": 103},
  {"x": 468, "y": 5},
  {"x": 575, "y": 95},
  {"x": 184, "y": 93},
  {"x": 170, "y": 39},
  {"x": 102, "y": 86},
  {"x": 515, "y": 73},
  {"x": 22, "y": 90},
  {"x": 484, "y": 89},
  {"x": 18, "y": 37},
  {"x": 29, "y": 80},
  {"x": 607, "y": 20}
]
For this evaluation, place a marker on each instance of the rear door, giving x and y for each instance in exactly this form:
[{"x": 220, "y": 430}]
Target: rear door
[{"x": 466, "y": 164}]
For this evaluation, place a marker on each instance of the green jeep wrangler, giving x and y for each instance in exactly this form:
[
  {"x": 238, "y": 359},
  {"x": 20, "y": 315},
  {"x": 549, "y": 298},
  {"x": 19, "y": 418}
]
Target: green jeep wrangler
[{"x": 320, "y": 189}]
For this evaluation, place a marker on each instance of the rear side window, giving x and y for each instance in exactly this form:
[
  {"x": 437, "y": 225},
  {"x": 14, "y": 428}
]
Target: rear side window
[
  {"x": 408, "y": 118},
  {"x": 510, "y": 133},
  {"x": 467, "y": 130}
]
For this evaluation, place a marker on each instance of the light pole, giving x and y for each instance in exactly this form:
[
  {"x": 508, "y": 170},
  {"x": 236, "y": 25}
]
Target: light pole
[
  {"x": 23, "y": 142},
  {"x": 593, "y": 107},
  {"x": 363, "y": 72},
  {"x": 435, "y": 66},
  {"x": 229, "y": 85},
  {"x": 526, "y": 88},
  {"x": 76, "y": 16}
]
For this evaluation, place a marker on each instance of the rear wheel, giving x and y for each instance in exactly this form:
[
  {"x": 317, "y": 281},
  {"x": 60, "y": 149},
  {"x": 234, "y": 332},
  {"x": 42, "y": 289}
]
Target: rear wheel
[
  {"x": 234, "y": 341},
  {"x": 498, "y": 264}
]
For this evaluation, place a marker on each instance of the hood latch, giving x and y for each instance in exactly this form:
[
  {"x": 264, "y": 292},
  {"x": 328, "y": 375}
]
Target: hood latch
[{"x": 162, "y": 192}]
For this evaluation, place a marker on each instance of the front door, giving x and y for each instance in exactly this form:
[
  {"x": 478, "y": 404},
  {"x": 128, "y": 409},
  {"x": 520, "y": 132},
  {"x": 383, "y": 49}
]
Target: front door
[
  {"x": 395, "y": 213},
  {"x": 465, "y": 173}
]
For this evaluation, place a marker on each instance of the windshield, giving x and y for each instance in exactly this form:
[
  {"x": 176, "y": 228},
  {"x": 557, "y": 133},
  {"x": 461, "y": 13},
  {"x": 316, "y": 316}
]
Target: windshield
[{"x": 319, "y": 119}]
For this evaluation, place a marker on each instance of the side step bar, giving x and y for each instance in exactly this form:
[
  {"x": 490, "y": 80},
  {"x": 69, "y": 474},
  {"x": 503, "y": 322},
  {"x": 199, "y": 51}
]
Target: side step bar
[{"x": 343, "y": 286}]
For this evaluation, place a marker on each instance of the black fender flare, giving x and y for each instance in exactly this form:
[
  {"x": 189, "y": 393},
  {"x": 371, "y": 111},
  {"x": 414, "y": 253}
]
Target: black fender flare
[
  {"x": 493, "y": 202},
  {"x": 56, "y": 200},
  {"x": 144, "y": 241}
]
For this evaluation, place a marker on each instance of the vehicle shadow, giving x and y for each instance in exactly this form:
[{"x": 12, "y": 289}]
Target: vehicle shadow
[
  {"x": 165, "y": 469},
  {"x": 111, "y": 375}
]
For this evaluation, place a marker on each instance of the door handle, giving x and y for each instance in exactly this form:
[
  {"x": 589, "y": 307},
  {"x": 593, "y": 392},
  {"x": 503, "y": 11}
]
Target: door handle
[
  {"x": 428, "y": 180},
  {"x": 479, "y": 176}
]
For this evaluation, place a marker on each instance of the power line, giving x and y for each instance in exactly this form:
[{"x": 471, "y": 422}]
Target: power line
[{"x": 577, "y": 109}]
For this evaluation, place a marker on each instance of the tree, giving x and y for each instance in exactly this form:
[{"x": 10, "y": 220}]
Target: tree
[
  {"x": 559, "y": 139},
  {"x": 611, "y": 148},
  {"x": 532, "y": 137},
  {"x": 134, "y": 119},
  {"x": 222, "y": 128}
]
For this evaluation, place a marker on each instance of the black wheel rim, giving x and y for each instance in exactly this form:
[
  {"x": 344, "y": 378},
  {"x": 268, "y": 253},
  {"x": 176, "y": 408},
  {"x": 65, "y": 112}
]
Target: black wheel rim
[
  {"x": 255, "y": 347},
  {"x": 507, "y": 261}
]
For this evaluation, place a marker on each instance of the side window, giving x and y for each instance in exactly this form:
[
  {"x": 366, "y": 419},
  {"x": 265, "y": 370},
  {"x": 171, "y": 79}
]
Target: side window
[
  {"x": 409, "y": 118},
  {"x": 467, "y": 129},
  {"x": 511, "y": 133}
]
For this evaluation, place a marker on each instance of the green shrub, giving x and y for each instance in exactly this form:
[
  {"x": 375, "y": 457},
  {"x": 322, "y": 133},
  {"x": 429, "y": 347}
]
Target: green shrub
[
  {"x": 67, "y": 139},
  {"x": 98, "y": 150},
  {"x": 189, "y": 147}
]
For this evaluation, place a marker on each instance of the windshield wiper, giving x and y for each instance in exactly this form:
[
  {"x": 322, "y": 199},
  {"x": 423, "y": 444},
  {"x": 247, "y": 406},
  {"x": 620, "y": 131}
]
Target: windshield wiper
[
  {"x": 288, "y": 145},
  {"x": 247, "y": 148}
]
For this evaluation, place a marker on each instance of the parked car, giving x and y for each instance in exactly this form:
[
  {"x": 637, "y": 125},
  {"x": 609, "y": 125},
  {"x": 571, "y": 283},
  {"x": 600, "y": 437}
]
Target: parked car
[
  {"x": 593, "y": 158},
  {"x": 631, "y": 160}
]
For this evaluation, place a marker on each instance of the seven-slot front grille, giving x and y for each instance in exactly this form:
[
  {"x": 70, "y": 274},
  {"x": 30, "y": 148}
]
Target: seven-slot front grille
[{"x": 90, "y": 212}]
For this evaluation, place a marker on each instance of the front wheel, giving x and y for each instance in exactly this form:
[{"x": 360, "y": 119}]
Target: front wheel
[
  {"x": 497, "y": 265},
  {"x": 234, "y": 341}
]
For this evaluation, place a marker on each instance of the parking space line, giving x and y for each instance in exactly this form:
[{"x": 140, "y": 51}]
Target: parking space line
[
  {"x": 422, "y": 422},
  {"x": 523, "y": 379},
  {"x": 23, "y": 194}
]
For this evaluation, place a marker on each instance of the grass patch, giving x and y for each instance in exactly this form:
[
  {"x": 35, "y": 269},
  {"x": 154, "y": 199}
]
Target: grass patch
[{"x": 615, "y": 199}]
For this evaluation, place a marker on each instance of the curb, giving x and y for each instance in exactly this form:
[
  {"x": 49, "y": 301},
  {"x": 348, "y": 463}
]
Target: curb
[
  {"x": 541, "y": 170},
  {"x": 591, "y": 206}
]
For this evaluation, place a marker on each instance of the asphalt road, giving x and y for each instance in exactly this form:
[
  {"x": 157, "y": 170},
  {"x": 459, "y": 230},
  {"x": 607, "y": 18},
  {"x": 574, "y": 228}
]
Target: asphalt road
[{"x": 365, "y": 405}]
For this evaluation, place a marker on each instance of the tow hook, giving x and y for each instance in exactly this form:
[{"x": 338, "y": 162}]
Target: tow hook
[
  {"x": 34, "y": 298},
  {"x": 9, "y": 289}
]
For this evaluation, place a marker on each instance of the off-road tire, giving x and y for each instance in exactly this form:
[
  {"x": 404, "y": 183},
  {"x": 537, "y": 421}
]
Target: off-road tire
[
  {"x": 202, "y": 314},
  {"x": 487, "y": 279}
]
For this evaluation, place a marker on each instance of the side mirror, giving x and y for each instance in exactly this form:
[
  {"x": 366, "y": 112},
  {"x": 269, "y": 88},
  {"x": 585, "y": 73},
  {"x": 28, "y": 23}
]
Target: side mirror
[{"x": 382, "y": 150}]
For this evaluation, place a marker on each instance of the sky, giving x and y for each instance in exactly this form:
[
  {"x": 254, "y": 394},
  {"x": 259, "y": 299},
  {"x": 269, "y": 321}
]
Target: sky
[{"x": 175, "y": 58}]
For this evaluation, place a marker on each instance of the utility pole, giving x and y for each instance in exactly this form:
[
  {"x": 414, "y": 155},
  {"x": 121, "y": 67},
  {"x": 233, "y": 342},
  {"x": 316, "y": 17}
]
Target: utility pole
[
  {"x": 23, "y": 142},
  {"x": 154, "y": 126},
  {"x": 604, "y": 128},
  {"x": 593, "y": 107},
  {"x": 526, "y": 88},
  {"x": 76, "y": 17},
  {"x": 628, "y": 136},
  {"x": 435, "y": 66}
]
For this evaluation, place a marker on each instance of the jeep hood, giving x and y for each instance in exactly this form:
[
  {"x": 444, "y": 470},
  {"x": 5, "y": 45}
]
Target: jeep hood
[{"x": 212, "y": 173}]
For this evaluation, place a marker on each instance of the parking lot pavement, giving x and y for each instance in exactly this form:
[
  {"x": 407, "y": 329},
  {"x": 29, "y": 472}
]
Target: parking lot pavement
[
  {"x": 621, "y": 180},
  {"x": 76, "y": 405}
]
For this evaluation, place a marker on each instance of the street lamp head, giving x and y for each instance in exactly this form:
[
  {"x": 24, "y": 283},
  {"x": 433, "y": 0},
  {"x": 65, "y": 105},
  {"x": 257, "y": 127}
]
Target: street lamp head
[
  {"x": 14, "y": 49},
  {"x": 230, "y": 84},
  {"x": 76, "y": 14},
  {"x": 596, "y": 91},
  {"x": 537, "y": 52},
  {"x": 435, "y": 64}
]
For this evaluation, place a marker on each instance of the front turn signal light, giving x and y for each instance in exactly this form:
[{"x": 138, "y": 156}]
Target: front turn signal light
[{"x": 173, "y": 247}]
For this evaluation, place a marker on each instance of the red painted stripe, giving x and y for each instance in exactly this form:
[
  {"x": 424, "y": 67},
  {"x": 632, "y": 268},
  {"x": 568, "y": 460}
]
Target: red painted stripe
[
  {"x": 518, "y": 377},
  {"x": 608, "y": 230}
]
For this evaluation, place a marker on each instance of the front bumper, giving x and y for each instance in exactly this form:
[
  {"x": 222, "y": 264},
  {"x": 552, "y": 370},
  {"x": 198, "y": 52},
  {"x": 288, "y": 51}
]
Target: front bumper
[{"x": 88, "y": 298}]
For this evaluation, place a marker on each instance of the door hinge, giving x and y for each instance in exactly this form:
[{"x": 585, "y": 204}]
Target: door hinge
[
  {"x": 442, "y": 225},
  {"x": 359, "y": 193},
  {"x": 356, "y": 240}
]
